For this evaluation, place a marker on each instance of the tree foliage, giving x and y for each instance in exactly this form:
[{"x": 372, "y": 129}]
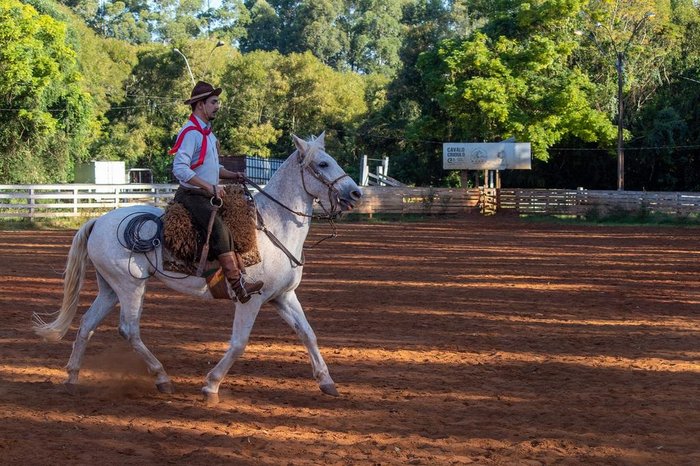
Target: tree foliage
[
  {"x": 46, "y": 119},
  {"x": 270, "y": 96},
  {"x": 88, "y": 79}
]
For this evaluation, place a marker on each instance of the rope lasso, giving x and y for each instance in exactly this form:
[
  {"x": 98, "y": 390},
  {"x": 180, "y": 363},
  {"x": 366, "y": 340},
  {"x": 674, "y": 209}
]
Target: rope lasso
[
  {"x": 132, "y": 232},
  {"x": 135, "y": 243}
]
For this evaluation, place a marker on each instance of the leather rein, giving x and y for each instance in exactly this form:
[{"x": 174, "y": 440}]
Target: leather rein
[{"x": 333, "y": 199}]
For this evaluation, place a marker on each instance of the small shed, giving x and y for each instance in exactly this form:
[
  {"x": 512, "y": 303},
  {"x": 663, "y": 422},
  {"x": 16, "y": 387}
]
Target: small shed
[{"x": 101, "y": 172}]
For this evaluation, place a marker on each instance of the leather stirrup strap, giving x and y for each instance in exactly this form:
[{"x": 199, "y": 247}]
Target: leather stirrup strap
[{"x": 205, "y": 248}]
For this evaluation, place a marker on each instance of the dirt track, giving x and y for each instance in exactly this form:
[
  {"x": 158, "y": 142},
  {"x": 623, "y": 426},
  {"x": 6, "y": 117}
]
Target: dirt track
[{"x": 482, "y": 340}]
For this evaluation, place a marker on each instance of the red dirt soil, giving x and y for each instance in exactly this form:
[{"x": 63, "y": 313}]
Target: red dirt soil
[{"x": 475, "y": 340}]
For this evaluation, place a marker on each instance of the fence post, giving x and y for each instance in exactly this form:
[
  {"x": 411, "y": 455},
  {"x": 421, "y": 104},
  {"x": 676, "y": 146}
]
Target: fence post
[
  {"x": 31, "y": 204},
  {"x": 75, "y": 200},
  {"x": 364, "y": 171}
]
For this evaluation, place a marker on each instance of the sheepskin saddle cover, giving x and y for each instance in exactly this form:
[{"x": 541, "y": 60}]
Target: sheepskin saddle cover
[{"x": 184, "y": 244}]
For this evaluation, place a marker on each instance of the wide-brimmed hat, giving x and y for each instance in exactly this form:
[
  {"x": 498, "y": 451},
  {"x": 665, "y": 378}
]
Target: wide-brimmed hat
[{"x": 202, "y": 91}]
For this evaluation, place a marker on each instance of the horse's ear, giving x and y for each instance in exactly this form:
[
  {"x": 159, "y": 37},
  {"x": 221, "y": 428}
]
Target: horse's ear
[
  {"x": 302, "y": 145},
  {"x": 321, "y": 140}
]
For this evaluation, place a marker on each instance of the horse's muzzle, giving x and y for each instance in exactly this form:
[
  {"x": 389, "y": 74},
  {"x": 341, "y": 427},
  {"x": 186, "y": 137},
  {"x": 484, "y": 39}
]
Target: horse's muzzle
[{"x": 350, "y": 200}]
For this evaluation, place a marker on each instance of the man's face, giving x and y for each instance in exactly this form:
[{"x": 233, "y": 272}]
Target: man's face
[{"x": 211, "y": 106}]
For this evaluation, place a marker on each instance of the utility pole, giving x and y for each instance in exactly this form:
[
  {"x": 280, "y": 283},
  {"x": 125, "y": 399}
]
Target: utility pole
[
  {"x": 620, "y": 112},
  {"x": 620, "y": 53}
]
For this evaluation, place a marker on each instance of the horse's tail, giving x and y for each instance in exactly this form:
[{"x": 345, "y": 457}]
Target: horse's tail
[{"x": 72, "y": 283}]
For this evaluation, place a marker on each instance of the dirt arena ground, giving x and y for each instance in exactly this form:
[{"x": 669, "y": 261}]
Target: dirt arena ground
[{"x": 464, "y": 341}]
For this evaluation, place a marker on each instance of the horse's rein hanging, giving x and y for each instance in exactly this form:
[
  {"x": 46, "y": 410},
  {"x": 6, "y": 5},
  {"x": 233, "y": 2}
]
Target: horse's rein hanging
[{"x": 330, "y": 216}]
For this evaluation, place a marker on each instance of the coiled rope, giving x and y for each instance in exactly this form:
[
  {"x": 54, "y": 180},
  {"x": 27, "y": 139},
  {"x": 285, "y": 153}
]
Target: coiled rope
[{"x": 132, "y": 234}]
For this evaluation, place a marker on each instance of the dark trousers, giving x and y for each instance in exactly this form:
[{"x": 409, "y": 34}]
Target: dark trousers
[{"x": 198, "y": 203}]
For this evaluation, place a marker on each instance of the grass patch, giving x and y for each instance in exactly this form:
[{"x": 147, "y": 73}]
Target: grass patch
[{"x": 58, "y": 223}]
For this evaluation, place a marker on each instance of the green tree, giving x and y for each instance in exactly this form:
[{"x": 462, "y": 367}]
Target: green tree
[
  {"x": 496, "y": 89},
  {"x": 296, "y": 26},
  {"x": 375, "y": 34},
  {"x": 394, "y": 127},
  {"x": 315, "y": 29},
  {"x": 127, "y": 20},
  {"x": 254, "y": 105},
  {"x": 47, "y": 119},
  {"x": 264, "y": 30},
  {"x": 229, "y": 21},
  {"x": 179, "y": 20},
  {"x": 667, "y": 127},
  {"x": 143, "y": 126},
  {"x": 512, "y": 80},
  {"x": 269, "y": 96}
]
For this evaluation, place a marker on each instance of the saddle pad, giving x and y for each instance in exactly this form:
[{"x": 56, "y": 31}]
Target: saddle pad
[{"x": 183, "y": 243}]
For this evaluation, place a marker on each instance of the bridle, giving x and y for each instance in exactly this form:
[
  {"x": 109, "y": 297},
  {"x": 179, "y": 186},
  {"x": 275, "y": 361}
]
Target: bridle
[
  {"x": 333, "y": 199},
  {"x": 333, "y": 193}
]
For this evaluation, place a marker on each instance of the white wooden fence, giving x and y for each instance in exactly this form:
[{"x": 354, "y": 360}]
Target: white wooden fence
[{"x": 71, "y": 200}]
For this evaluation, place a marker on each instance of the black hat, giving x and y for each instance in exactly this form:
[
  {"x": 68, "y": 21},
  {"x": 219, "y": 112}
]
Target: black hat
[{"x": 202, "y": 91}]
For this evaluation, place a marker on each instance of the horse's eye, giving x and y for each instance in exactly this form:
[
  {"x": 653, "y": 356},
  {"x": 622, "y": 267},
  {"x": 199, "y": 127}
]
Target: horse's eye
[{"x": 323, "y": 165}]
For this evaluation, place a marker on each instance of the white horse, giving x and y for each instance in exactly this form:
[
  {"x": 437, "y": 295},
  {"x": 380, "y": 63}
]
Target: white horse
[{"x": 309, "y": 174}]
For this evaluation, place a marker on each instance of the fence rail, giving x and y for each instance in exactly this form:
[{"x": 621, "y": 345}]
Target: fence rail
[
  {"x": 584, "y": 202},
  {"x": 430, "y": 201},
  {"x": 72, "y": 200}
]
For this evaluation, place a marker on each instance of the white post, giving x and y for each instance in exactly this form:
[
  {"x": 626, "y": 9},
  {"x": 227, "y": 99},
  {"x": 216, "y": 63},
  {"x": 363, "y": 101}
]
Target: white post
[
  {"x": 380, "y": 173},
  {"x": 385, "y": 166},
  {"x": 31, "y": 204},
  {"x": 364, "y": 171}
]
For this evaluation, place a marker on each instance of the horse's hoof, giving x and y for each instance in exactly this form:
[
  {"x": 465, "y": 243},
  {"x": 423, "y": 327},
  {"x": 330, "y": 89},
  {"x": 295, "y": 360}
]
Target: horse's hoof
[
  {"x": 329, "y": 389},
  {"x": 166, "y": 387},
  {"x": 71, "y": 388},
  {"x": 210, "y": 398}
]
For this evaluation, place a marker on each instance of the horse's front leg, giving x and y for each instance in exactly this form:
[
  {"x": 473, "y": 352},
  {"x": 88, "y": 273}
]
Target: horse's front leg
[
  {"x": 243, "y": 321},
  {"x": 289, "y": 308}
]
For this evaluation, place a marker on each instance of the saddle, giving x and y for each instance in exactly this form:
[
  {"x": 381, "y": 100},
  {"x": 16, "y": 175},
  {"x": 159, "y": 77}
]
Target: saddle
[{"x": 183, "y": 243}]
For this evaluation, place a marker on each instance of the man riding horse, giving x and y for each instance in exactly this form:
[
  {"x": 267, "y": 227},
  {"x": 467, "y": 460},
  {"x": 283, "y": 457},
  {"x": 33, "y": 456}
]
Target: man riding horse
[{"x": 196, "y": 166}]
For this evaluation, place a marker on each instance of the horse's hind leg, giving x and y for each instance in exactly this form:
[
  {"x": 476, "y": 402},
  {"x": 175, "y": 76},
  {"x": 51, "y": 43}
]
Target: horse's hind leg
[
  {"x": 104, "y": 302},
  {"x": 131, "y": 305},
  {"x": 289, "y": 308}
]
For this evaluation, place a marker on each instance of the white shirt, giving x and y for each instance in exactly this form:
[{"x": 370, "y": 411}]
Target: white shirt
[{"x": 188, "y": 153}]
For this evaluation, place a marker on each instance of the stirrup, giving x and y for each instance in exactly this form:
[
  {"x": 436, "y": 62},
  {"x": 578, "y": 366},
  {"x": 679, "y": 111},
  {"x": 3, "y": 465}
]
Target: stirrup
[{"x": 240, "y": 291}]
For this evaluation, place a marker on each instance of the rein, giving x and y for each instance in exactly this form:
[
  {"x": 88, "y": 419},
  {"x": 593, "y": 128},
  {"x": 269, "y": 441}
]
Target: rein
[{"x": 330, "y": 216}]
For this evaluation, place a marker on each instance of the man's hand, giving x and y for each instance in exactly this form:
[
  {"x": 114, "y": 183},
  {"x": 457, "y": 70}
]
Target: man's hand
[
  {"x": 220, "y": 190},
  {"x": 237, "y": 177}
]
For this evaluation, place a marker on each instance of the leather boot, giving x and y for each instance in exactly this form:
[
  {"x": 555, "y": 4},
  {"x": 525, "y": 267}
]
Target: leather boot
[{"x": 243, "y": 289}]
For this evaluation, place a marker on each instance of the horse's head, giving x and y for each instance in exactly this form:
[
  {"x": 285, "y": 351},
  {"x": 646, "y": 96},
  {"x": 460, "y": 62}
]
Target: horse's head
[{"x": 322, "y": 177}]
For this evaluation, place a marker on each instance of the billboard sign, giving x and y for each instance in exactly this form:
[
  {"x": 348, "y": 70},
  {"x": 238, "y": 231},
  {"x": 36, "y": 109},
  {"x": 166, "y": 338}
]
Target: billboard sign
[{"x": 486, "y": 156}]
